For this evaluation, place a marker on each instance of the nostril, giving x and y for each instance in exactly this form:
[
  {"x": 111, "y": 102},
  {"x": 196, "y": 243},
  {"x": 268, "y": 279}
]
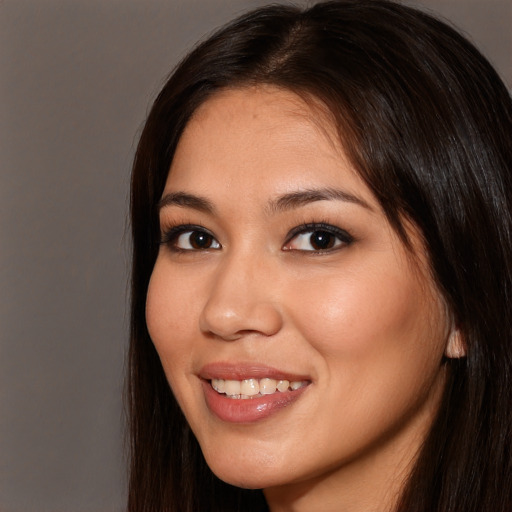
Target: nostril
[{"x": 245, "y": 318}]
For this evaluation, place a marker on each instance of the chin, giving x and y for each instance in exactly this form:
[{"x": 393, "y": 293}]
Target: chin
[{"x": 248, "y": 473}]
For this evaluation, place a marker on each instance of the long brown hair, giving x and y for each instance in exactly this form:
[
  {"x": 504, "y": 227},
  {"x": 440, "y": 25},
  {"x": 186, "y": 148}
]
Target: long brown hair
[{"x": 427, "y": 123}]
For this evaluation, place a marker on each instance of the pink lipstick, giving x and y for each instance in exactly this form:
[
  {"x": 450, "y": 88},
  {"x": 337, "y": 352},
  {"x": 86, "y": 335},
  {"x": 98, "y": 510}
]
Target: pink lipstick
[{"x": 245, "y": 393}]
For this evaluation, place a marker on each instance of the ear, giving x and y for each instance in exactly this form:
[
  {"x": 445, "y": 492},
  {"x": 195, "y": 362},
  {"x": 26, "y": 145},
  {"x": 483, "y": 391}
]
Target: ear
[{"x": 455, "y": 347}]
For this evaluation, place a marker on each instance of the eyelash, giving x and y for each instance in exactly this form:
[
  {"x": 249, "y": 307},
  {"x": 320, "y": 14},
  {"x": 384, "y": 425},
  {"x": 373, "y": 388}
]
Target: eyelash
[
  {"x": 344, "y": 237},
  {"x": 171, "y": 235}
]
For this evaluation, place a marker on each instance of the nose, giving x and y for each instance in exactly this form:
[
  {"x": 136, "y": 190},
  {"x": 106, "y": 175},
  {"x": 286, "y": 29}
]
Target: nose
[{"x": 242, "y": 301}]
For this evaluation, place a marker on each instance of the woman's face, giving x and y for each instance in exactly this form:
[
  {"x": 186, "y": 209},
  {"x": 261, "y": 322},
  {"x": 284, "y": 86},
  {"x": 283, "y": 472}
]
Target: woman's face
[{"x": 280, "y": 283}]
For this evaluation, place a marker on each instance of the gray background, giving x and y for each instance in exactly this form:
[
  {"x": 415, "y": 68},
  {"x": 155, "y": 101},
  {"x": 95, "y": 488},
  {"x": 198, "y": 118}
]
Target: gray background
[{"x": 76, "y": 80}]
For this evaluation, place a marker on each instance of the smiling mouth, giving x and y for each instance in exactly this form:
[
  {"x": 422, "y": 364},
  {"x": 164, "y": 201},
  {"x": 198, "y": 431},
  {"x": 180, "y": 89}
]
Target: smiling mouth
[{"x": 255, "y": 388}]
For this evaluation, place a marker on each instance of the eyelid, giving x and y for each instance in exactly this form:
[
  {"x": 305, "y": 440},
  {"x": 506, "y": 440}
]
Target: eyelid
[
  {"x": 344, "y": 236},
  {"x": 170, "y": 235}
]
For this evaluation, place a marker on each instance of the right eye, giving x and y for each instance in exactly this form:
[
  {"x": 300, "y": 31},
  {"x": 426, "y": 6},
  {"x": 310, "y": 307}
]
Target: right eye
[{"x": 183, "y": 238}]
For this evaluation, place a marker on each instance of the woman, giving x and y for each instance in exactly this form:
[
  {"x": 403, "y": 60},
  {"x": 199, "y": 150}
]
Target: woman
[{"x": 321, "y": 214}]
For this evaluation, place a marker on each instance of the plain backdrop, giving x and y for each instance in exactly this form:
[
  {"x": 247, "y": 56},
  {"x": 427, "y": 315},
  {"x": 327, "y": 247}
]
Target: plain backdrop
[{"x": 76, "y": 81}]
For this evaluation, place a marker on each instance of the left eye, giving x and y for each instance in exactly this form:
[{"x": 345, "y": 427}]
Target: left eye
[{"x": 317, "y": 240}]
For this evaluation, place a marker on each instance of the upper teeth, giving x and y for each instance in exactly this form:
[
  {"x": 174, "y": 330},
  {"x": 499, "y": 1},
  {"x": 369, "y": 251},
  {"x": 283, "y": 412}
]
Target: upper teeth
[{"x": 250, "y": 387}]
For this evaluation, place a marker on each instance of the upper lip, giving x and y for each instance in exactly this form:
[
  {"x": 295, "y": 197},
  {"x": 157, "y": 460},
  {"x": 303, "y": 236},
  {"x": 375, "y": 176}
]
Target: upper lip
[{"x": 242, "y": 371}]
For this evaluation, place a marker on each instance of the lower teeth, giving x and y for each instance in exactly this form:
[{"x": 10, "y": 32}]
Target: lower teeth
[{"x": 244, "y": 397}]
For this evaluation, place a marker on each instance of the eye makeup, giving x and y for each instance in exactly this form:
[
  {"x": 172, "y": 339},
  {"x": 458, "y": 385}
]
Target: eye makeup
[
  {"x": 199, "y": 238},
  {"x": 321, "y": 236},
  {"x": 310, "y": 237}
]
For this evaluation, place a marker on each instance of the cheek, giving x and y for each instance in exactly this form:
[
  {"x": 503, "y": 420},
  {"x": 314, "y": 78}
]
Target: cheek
[
  {"x": 356, "y": 312},
  {"x": 372, "y": 327},
  {"x": 170, "y": 317},
  {"x": 379, "y": 346}
]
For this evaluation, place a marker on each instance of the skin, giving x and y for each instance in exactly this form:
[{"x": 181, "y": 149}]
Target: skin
[{"x": 362, "y": 320}]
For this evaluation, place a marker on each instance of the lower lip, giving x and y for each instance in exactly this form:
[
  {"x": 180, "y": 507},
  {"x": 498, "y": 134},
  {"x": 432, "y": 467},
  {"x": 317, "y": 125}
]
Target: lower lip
[{"x": 248, "y": 410}]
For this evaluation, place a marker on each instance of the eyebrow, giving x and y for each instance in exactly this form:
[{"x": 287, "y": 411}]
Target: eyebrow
[
  {"x": 282, "y": 203},
  {"x": 300, "y": 198},
  {"x": 186, "y": 200}
]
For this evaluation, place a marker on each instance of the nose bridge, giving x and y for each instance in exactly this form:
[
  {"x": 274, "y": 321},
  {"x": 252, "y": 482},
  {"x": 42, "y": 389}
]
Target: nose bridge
[{"x": 242, "y": 298}]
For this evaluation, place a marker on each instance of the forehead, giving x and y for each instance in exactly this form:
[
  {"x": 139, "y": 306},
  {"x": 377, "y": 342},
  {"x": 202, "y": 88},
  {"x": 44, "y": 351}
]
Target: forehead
[
  {"x": 268, "y": 105},
  {"x": 257, "y": 135}
]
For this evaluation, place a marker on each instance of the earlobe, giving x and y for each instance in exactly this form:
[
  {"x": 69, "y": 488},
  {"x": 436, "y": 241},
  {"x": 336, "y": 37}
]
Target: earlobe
[{"x": 455, "y": 347}]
